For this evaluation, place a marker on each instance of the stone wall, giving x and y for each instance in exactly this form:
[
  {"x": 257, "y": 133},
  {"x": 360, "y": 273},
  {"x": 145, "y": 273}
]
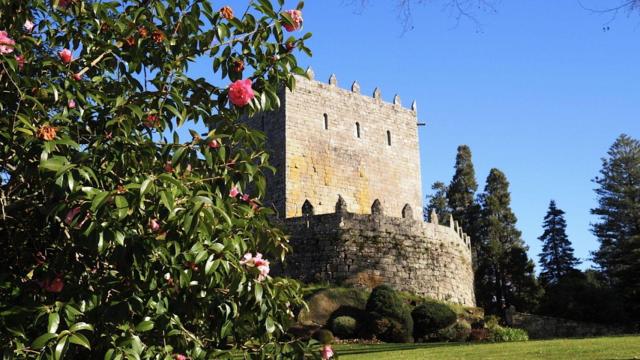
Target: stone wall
[
  {"x": 547, "y": 327},
  {"x": 367, "y": 250},
  {"x": 327, "y": 141}
]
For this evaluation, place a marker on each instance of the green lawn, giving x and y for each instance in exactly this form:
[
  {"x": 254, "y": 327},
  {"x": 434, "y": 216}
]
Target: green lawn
[{"x": 609, "y": 348}]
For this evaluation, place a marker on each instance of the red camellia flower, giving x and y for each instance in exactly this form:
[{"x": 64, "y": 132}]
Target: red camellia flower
[
  {"x": 66, "y": 56},
  {"x": 64, "y": 3},
  {"x": 296, "y": 16},
  {"x": 54, "y": 286},
  {"x": 234, "y": 192},
  {"x": 180, "y": 357},
  {"x": 152, "y": 121},
  {"x": 76, "y": 77},
  {"x": 214, "y": 144},
  {"x": 6, "y": 43},
  {"x": 240, "y": 92},
  {"x": 168, "y": 167}
]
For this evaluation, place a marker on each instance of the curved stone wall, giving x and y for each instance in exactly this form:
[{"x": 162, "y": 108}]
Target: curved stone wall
[{"x": 372, "y": 249}]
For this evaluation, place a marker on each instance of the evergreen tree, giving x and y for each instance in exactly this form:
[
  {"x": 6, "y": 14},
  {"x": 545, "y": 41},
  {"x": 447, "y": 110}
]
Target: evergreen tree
[
  {"x": 618, "y": 229},
  {"x": 438, "y": 202},
  {"x": 505, "y": 274},
  {"x": 462, "y": 189},
  {"x": 556, "y": 258}
]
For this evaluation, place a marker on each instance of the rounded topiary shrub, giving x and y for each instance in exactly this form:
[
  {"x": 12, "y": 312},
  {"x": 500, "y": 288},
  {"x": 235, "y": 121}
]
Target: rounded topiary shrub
[
  {"x": 385, "y": 301},
  {"x": 324, "y": 336},
  {"x": 345, "y": 327},
  {"x": 431, "y": 317},
  {"x": 389, "y": 317}
]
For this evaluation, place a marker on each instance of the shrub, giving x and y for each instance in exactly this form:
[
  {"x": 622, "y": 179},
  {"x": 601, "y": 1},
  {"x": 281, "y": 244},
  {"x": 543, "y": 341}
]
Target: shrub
[
  {"x": 324, "y": 336},
  {"x": 479, "y": 335},
  {"x": 344, "y": 327},
  {"x": 386, "y": 302},
  {"x": 507, "y": 334},
  {"x": 389, "y": 317},
  {"x": 431, "y": 317},
  {"x": 458, "y": 332}
]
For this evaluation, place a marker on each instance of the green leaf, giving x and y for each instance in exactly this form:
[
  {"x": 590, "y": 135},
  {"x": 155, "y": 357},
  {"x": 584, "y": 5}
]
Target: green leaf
[
  {"x": 270, "y": 325},
  {"x": 123, "y": 206},
  {"x": 258, "y": 292},
  {"x": 99, "y": 200},
  {"x": 42, "y": 340},
  {"x": 81, "y": 340},
  {"x": 54, "y": 321},
  {"x": 144, "y": 325},
  {"x": 144, "y": 187},
  {"x": 54, "y": 164},
  {"x": 81, "y": 326},
  {"x": 60, "y": 348}
]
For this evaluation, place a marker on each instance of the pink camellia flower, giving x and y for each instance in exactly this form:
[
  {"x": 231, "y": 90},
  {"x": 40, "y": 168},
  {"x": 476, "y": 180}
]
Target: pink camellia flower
[
  {"x": 54, "y": 286},
  {"x": 296, "y": 16},
  {"x": 71, "y": 104},
  {"x": 214, "y": 144},
  {"x": 240, "y": 92},
  {"x": 180, "y": 357},
  {"x": 20, "y": 60},
  {"x": 28, "y": 25},
  {"x": 154, "y": 225},
  {"x": 258, "y": 262},
  {"x": 327, "y": 352},
  {"x": 234, "y": 192},
  {"x": 6, "y": 43},
  {"x": 245, "y": 197},
  {"x": 76, "y": 77},
  {"x": 66, "y": 56}
]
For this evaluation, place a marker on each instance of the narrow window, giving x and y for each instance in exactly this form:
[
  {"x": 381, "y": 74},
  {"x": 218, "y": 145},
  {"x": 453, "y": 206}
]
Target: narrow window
[
  {"x": 326, "y": 122},
  {"x": 358, "y": 129},
  {"x": 388, "y": 137}
]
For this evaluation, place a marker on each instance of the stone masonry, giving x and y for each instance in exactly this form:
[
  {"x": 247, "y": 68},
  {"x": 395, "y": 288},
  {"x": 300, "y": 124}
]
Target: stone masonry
[{"x": 330, "y": 144}]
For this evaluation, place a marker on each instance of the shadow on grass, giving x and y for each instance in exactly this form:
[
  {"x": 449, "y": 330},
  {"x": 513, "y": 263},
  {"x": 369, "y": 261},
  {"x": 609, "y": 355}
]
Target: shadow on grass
[{"x": 370, "y": 349}]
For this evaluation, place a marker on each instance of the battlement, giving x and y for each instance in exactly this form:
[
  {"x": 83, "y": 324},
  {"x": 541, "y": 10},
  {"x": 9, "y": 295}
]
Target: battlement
[{"x": 371, "y": 249}]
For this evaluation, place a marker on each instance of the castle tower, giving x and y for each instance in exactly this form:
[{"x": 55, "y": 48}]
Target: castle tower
[{"x": 326, "y": 141}]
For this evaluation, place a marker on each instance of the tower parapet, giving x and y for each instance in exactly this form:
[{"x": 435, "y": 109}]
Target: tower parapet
[{"x": 371, "y": 249}]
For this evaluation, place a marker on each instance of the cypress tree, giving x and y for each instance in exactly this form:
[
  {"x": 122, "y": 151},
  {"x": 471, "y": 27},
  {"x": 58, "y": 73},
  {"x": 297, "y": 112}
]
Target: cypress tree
[
  {"x": 505, "y": 274},
  {"x": 556, "y": 258},
  {"x": 618, "y": 228},
  {"x": 461, "y": 191},
  {"x": 438, "y": 202}
]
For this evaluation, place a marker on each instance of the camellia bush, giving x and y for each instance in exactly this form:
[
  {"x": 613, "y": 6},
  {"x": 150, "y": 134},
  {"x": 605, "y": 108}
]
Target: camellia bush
[{"x": 121, "y": 239}]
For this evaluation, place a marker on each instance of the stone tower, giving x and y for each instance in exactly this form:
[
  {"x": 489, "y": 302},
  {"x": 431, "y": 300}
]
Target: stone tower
[
  {"x": 326, "y": 141},
  {"x": 348, "y": 191}
]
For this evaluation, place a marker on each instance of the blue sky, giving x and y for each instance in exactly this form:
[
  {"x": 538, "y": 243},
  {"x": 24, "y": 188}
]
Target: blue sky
[{"x": 540, "y": 91}]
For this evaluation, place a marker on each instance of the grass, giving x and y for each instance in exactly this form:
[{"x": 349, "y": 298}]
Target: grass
[{"x": 605, "y": 348}]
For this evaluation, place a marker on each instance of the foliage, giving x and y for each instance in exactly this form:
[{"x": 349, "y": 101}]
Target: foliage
[
  {"x": 430, "y": 317},
  {"x": 119, "y": 238},
  {"x": 438, "y": 203},
  {"x": 583, "y": 296},
  {"x": 505, "y": 276},
  {"x": 390, "y": 317},
  {"x": 461, "y": 191},
  {"x": 618, "y": 226},
  {"x": 507, "y": 334},
  {"x": 556, "y": 258},
  {"x": 345, "y": 327},
  {"x": 458, "y": 332}
]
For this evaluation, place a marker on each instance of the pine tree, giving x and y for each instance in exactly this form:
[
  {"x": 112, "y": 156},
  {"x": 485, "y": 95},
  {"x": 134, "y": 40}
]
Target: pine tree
[
  {"x": 504, "y": 276},
  {"x": 618, "y": 229},
  {"x": 438, "y": 202},
  {"x": 556, "y": 258}
]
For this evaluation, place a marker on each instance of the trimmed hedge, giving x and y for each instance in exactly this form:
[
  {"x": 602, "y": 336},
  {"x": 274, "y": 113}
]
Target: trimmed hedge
[
  {"x": 324, "y": 336},
  {"x": 430, "y": 317}
]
